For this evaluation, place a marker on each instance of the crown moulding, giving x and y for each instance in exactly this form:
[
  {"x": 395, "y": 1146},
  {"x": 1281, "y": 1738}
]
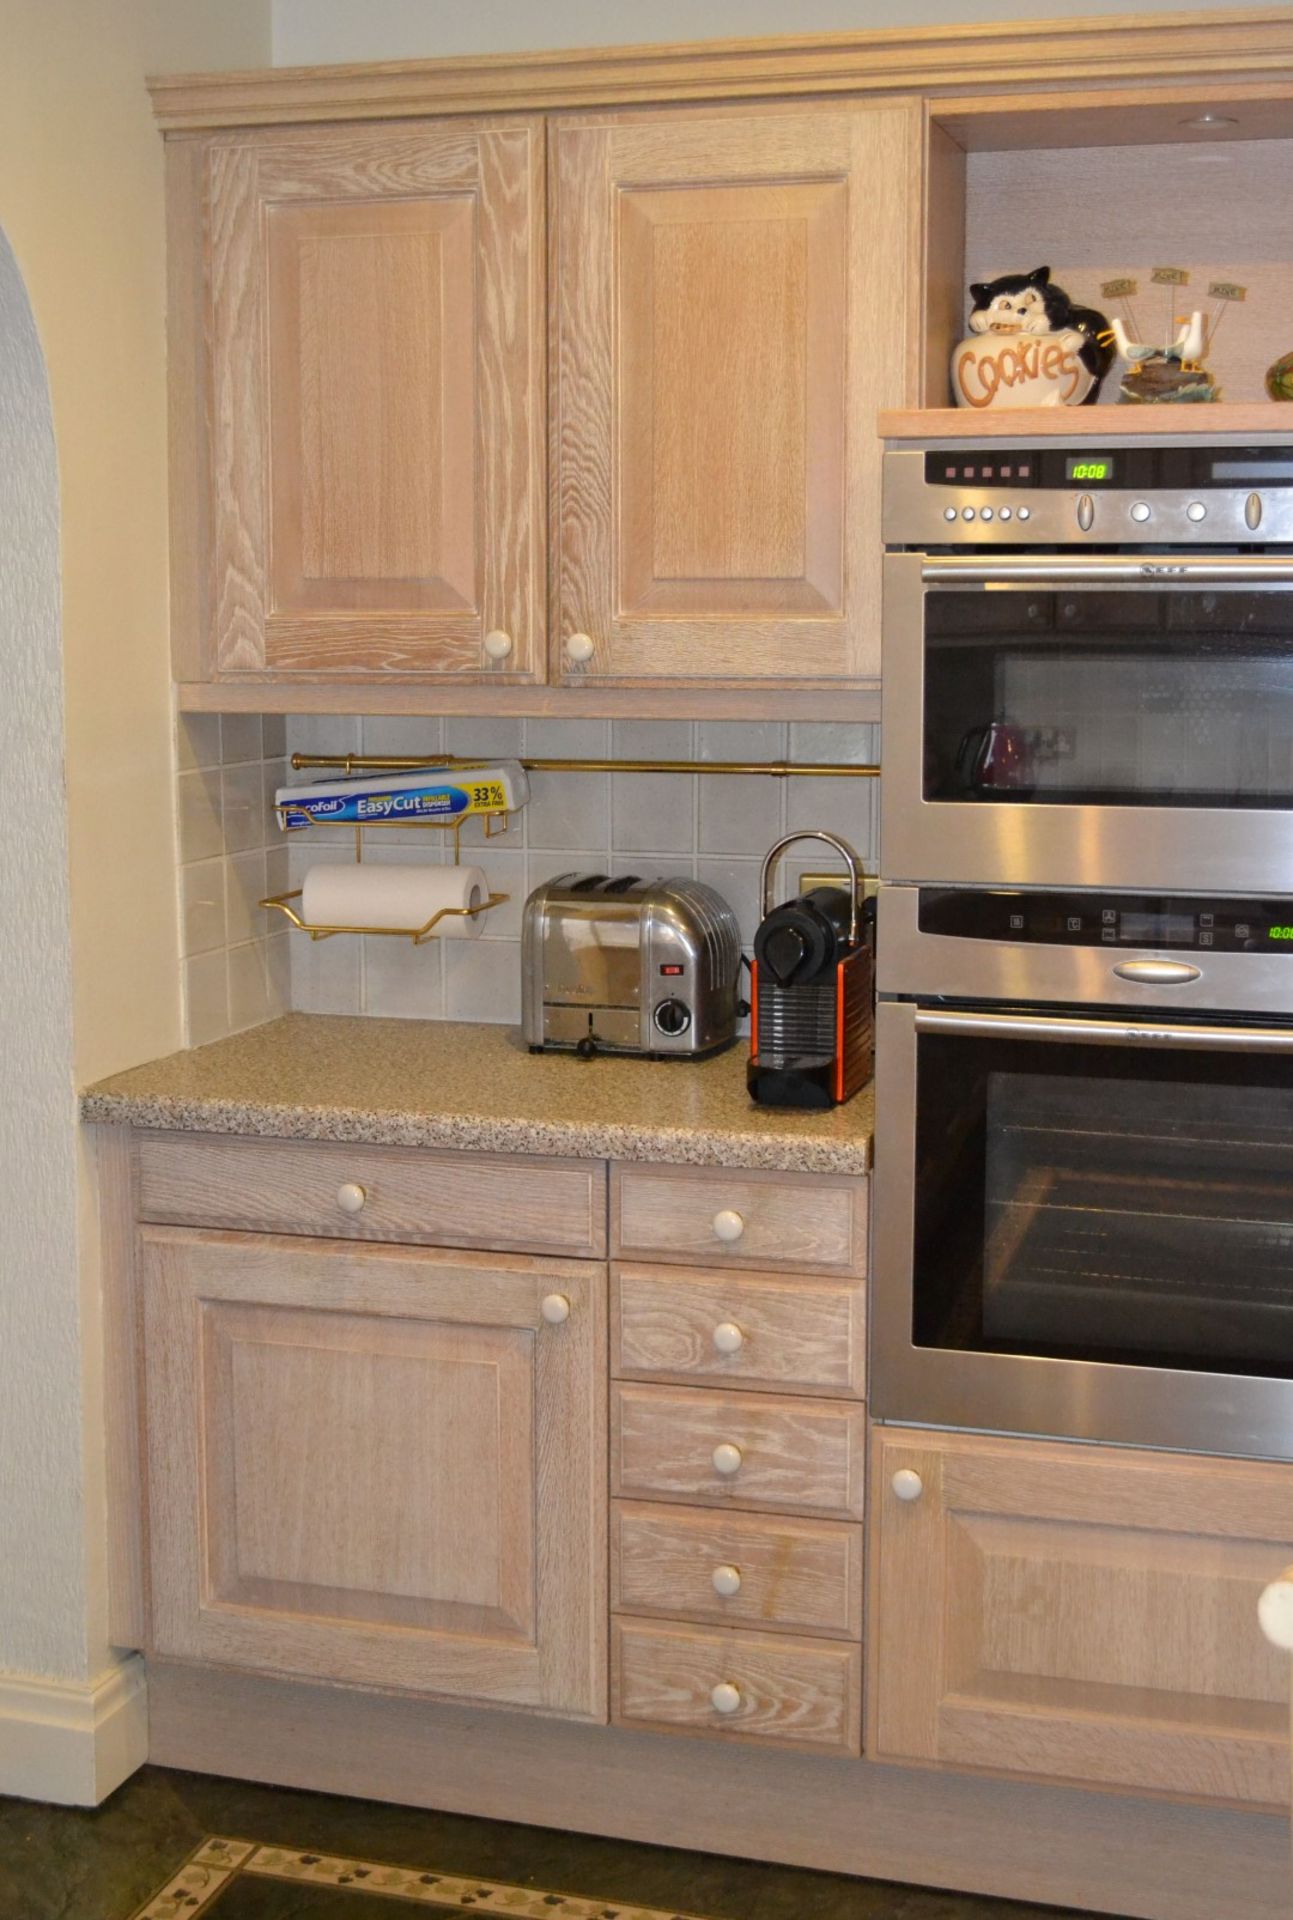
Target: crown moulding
[{"x": 1249, "y": 44}]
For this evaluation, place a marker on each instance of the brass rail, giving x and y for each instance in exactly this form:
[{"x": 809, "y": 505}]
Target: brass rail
[{"x": 406, "y": 763}]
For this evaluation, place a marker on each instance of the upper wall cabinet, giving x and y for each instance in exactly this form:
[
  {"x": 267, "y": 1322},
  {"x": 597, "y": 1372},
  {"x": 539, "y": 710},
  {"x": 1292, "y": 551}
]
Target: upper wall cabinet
[
  {"x": 372, "y": 297},
  {"x": 733, "y": 295}
]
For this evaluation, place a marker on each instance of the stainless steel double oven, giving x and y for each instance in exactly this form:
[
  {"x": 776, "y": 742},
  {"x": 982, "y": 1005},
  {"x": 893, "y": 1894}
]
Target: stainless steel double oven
[{"x": 1084, "y": 1178}]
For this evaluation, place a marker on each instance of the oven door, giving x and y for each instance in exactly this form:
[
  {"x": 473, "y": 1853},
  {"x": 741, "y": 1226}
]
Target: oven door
[
  {"x": 1089, "y": 720},
  {"x": 1084, "y": 1227}
]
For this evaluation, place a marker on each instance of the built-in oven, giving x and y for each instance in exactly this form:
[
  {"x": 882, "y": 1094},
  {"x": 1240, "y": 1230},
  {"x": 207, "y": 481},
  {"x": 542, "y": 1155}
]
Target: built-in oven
[
  {"x": 1084, "y": 1172},
  {"x": 1088, "y": 667}
]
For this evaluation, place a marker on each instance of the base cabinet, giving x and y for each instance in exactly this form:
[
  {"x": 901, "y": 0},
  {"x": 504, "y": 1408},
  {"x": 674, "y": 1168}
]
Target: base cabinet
[
  {"x": 381, "y": 1466},
  {"x": 1078, "y": 1614}
]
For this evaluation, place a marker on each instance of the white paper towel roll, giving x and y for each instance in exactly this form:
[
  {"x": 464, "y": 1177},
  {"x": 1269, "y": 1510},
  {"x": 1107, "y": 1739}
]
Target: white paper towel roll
[{"x": 365, "y": 895}]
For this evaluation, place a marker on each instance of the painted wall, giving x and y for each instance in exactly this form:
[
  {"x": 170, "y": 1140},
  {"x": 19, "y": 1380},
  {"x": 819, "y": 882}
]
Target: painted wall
[
  {"x": 39, "y": 1445},
  {"x": 81, "y": 205},
  {"x": 306, "y": 31}
]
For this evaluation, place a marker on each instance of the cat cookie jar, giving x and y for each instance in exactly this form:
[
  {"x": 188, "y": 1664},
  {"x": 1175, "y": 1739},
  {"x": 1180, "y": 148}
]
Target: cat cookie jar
[{"x": 1029, "y": 346}]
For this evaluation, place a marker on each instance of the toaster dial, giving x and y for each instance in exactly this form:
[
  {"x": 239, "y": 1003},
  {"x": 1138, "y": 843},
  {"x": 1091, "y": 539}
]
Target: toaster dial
[{"x": 672, "y": 1017}]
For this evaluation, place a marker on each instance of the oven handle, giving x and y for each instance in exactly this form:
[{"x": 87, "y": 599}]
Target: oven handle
[
  {"x": 1093, "y": 569},
  {"x": 1102, "y": 1033}
]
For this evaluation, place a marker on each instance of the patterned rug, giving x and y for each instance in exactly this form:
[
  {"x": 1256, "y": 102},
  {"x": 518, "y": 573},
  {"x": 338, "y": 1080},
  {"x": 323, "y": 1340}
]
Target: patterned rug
[{"x": 211, "y": 1878}]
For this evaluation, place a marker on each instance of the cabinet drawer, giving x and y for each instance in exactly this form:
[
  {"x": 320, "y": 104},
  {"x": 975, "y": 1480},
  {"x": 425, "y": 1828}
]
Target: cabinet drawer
[
  {"x": 783, "y": 1455},
  {"x": 682, "y": 1563},
  {"x": 793, "y": 1693},
  {"x": 738, "y": 1330},
  {"x": 505, "y": 1202},
  {"x": 710, "y": 1217}
]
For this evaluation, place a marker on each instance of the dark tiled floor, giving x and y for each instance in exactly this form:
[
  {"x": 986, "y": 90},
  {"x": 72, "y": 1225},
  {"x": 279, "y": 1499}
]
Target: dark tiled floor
[{"x": 59, "y": 1863}]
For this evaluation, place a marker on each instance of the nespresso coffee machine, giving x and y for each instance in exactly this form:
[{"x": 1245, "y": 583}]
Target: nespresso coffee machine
[{"x": 812, "y": 1015}]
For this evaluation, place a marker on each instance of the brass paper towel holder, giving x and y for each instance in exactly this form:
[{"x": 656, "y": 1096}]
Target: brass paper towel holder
[{"x": 495, "y": 824}]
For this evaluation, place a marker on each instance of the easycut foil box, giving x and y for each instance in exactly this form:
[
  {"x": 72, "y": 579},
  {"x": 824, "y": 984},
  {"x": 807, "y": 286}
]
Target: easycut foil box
[{"x": 428, "y": 793}]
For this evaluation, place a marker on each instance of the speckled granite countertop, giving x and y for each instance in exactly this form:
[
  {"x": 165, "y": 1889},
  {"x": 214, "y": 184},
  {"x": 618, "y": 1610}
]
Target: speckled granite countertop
[{"x": 429, "y": 1083}]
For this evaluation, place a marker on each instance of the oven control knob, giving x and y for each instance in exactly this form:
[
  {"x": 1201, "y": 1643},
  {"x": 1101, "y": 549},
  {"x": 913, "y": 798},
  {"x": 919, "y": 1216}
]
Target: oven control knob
[
  {"x": 1140, "y": 510},
  {"x": 1005, "y": 514},
  {"x": 967, "y": 513},
  {"x": 1253, "y": 512},
  {"x": 985, "y": 513},
  {"x": 907, "y": 1484},
  {"x": 1196, "y": 511},
  {"x": 1085, "y": 512},
  {"x": 1025, "y": 513},
  {"x": 949, "y": 513}
]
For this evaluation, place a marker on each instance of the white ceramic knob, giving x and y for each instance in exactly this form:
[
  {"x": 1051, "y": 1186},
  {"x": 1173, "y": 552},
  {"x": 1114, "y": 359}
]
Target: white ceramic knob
[
  {"x": 1275, "y": 1611},
  {"x": 725, "y": 1698},
  {"x": 726, "y": 1457},
  {"x": 579, "y": 647},
  {"x": 351, "y": 1197},
  {"x": 907, "y": 1484},
  {"x": 555, "y": 1308},
  {"x": 728, "y": 1224},
  {"x": 728, "y": 1337},
  {"x": 498, "y": 644},
  {"x": 726, "y": 1580}
]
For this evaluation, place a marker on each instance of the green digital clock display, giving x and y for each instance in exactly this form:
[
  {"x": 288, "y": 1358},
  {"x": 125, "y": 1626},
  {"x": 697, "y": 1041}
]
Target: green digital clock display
[
  {"x": 1280, "y": 933},
  {"x": 1097, "y": 467}
]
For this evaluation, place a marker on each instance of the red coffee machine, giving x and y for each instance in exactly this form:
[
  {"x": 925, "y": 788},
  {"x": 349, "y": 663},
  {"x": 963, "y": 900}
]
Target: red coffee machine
[{"x": 812, "y": 999}]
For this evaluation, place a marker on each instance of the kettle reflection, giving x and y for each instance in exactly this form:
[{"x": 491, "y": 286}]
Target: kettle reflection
[{"x": 995, "y": 758}]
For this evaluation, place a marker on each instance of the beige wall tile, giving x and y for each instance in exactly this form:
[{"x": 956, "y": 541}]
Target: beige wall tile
[
  {"x": 402, "y": 981},
  {"x": 482, "y": 981},
  {"x": 240, "y": 738},
  {"x": 245, "y": 888},
  {"x": 243, "y": 802},
  {"x": 206, "y": 998},
  {"x": 202, "y": 907},
  {"x": 201, "y": 833}
]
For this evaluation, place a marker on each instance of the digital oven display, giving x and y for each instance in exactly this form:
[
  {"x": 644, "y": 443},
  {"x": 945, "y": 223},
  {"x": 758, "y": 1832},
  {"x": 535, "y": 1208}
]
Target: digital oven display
[
  {"x": 1157, "y": 929},
  {"x": 1093, "y": 469}
]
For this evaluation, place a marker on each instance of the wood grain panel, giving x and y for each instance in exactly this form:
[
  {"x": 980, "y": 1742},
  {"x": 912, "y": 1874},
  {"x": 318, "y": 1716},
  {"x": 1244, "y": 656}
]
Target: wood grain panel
[
  {"x": 125, "y": 1475},
  {"x": 725, "y": 293},
  {"x": 797, "y": 1456},
  {"x": 377, "y": 1466},
  {"x": 1244, "y": 44},
  {"x": 806, "y": 1221},
  {"x": 372, "y": 324},
  {"x": 798, "y": 1334},
  {"x": 803, "y": 1575},
  {"x": 376, "y": 368},
  {"x": 1078, "y": 1613},
  {"x": 1106, "y": 1852},
  {"x": 414, "y": 1194},
  {"x": 699, "y": 259},
  {"x": 797, "y": 1693}
]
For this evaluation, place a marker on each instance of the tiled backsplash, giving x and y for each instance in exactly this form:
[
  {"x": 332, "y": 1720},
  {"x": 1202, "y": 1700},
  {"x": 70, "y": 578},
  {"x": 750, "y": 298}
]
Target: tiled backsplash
[
  {"x": 716, "y": 829},
  {"x": 236, "y": 966}
]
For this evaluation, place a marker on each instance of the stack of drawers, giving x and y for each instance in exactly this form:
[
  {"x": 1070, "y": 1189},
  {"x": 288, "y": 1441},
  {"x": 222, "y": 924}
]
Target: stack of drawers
[{"x": 737, "y": 1454}]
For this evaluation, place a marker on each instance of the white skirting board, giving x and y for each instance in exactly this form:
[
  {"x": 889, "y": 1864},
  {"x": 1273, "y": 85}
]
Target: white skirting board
[{"x": 72, "y": 1741}]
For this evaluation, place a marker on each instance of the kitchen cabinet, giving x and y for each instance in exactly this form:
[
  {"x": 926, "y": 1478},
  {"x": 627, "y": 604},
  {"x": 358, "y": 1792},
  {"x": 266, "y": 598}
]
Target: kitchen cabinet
[
  {"x": 380, "y": 1466},
  {"x": 736, "y": 1553},
  {"x": 1078, "y": 1614},
  {"x": 731, "y": 293},
  {"x": 373, "y": 498}
]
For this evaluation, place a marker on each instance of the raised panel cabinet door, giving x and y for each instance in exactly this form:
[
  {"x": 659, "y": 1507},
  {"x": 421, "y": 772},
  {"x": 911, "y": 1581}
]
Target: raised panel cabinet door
[
  {"x": 378, "y": 1465},
  {"x": 734, "y": 300},
  {"x": 377, "y": 413},
  {"x": 1078, "y": 1614}
]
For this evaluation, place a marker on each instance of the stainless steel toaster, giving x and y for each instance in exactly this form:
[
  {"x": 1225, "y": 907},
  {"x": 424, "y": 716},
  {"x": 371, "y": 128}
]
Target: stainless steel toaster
[{"x": 628, "y": 966}]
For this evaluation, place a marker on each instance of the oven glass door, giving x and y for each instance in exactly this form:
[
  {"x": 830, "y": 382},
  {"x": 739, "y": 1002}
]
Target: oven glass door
[
  {"x": 1093, "y": 1201},
  {"x": 1080, "y": 695}
]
